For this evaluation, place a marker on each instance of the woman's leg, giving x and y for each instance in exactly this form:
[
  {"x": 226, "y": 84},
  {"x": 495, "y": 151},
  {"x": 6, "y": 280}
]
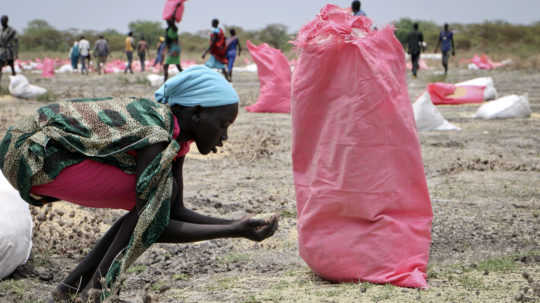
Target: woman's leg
[
  {"x": 12, "y": 64},
  {"x": 120, "y": 242},
  {"x": 225, "y": 74},
  {"x": 166, "y": 71},
  {"x": 80, "y": 276},
  {"x": 231, "y": 59},
  {"x": 179, "y": 67}
]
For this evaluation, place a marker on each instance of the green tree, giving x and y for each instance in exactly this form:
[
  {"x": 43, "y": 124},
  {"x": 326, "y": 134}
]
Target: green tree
[
  {"x": 276, "y": 35},
  {"x": 40, "y": 35}
]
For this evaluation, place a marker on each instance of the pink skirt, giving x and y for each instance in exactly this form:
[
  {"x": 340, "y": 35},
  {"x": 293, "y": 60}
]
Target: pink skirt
[{"x": 97, "y": 185}]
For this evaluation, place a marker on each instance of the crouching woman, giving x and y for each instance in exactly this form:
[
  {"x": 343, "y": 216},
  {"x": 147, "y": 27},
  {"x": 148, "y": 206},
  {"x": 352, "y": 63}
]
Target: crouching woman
[{"x": 127, "y": 154}]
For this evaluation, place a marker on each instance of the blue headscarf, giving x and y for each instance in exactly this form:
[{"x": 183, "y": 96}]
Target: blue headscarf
[{"x": 197, "y": 85}]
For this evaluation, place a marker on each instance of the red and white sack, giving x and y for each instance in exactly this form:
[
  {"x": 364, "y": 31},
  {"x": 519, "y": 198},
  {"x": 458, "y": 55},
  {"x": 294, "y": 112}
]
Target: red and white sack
[{"x": 364, "y": 212}]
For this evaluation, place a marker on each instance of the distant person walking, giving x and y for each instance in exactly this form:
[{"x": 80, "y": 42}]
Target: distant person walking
[
  {"x": 84, "y": 53},
  {"x": 142, "y": 47},
  {"x": 9, "y": 46},
  {"x": 160, "y": 51},
  {"x": 446, "y": 43},
  {"x": 217, "y": 49},
  {"x": 74, "y": 55},
  {"x": 233, "y": 44},
  {"x": 101, "y": 52},
  {"x": 356, "y": 7},
  {"x": 415, "y": 45},
  {"x": 130, "y": 45},
  {"x": 173, "y": 48}
]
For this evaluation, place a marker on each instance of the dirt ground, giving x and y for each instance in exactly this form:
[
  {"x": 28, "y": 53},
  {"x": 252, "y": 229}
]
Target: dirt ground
[{"x": 484, "y": 183}]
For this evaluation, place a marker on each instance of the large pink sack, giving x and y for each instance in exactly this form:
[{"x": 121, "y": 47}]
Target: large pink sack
[
  {"x": 168, "y": 10},
  {"x": 364, "y": 212},
  {"x": 48, "y": 68},
  {"x": 275, "y": 78},
  {"x": 449, "y": 94}
]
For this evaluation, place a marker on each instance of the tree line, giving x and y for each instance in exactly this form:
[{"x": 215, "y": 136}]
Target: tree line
[
  {"x": 490, "y": 36},
  {"x": 39, "y": 35}
]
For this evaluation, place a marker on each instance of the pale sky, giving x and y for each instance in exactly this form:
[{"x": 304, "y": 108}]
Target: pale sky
[{"x": 255, "y": 14}]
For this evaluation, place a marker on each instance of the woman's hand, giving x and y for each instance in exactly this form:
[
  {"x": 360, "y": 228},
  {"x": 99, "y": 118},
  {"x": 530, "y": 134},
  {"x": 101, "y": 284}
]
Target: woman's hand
[{"x": 257, "y": 229}]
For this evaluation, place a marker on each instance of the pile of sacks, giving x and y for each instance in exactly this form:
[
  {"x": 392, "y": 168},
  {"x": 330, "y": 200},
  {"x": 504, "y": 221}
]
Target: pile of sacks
[
  {"x": 478, "y": 90},
  {"x": 484, "y": 62}
]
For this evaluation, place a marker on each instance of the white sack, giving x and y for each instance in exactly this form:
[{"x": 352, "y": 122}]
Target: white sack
[
  {"x": 20, "y": 88},
  {"x": 428, "y": 117},
  {"x": 155, "y": 80},
  {"x": 252, "y": 68},
  {"x": 15, "y": 229},
  {"x": 7, "y": 69},
  {"x": 512, "y": 106},
  {"x": 66, "y": 68}
]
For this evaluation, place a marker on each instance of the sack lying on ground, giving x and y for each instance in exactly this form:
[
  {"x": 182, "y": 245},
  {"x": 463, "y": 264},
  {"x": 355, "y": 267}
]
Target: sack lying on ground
[
  {"x": 450, "y": 94},
  {"x": 275, "y": 78},
  {"x": 363, "y": 205},
  {"x": 155, "y": 80},
  {"x": 66, "y": 68},
  {"x": 512, "y": 106},
  {"x": 20, "y": 88},
  {"x": 490, "y": 93},
  {"x": 484, "y": 62},
  {"x": 428, "y": 117},
  {"x": 15, "y": 229}
]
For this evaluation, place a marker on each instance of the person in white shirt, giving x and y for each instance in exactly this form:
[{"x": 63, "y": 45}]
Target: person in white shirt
[{"x": 84, "y": 50}]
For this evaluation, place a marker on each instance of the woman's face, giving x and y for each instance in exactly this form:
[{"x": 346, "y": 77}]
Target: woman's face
[{"x": 211, "y": 129}]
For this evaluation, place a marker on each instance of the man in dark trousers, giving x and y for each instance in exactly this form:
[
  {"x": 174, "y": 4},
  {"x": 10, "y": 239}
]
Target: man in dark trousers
[
  {"x": 415, "y": 45},
  {"x": 8, "y": 46},
  {"x": 446, "y": 42}
]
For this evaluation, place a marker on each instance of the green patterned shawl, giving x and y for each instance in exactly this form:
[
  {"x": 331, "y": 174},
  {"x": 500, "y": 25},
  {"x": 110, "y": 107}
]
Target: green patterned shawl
[{"x": 39, "y": 147}]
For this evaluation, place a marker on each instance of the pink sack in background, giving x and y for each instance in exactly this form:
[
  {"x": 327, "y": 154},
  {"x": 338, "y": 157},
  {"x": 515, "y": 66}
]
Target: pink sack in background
[
  {"x": 48, "y": 68},
  {"x": 449, "y": 94},
  {"x": 364, "y": 212},
  {"x": 168, "y": 10},
  {"x": 275, "y": 77}
]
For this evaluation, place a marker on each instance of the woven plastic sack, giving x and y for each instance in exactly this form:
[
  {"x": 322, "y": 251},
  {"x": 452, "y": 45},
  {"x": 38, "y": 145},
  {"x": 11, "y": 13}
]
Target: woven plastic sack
[
  {"x": 364, "y": 212},
  {"x": 48, "y": 68},
  {"x": 15, "y": 229},
  {"x": 155, "y": 80},
  {"x": 490, "y": 93},
  {"x": 428, "y": 117},
  {"x": 512, "y": 106},
  {"x": 275, "y": 79},
  {"x": 450, "y": 94},
  {"x": 20, "y": 87},
  {"x": 168, "y": 10}
]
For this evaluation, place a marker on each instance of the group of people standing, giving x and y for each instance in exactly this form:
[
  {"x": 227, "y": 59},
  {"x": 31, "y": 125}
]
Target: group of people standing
[{"x": 80, "y": 52}]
